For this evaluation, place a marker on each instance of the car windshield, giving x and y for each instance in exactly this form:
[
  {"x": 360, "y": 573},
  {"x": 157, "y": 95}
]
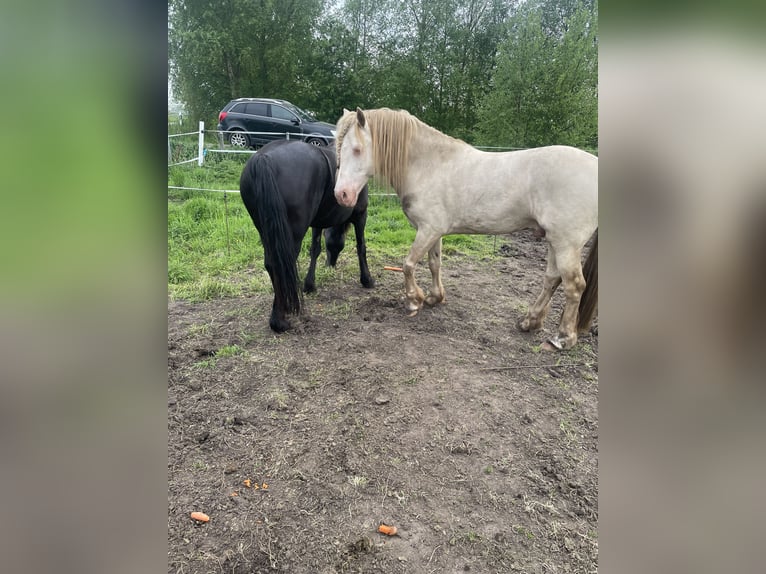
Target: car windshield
[{"x": 302, "y": 114}]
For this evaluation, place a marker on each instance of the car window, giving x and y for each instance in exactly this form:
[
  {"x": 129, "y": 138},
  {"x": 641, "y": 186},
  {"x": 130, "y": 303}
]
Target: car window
[
  {"x": 238, "y": 108},
  {"x": 256, "y": 109},
  {"x": 281, "y": 113},
  {"x": 301, "y": 113}
]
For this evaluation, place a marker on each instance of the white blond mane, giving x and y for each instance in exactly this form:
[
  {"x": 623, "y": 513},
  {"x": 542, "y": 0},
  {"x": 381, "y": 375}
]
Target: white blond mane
[{"x": 391, "y": 132}]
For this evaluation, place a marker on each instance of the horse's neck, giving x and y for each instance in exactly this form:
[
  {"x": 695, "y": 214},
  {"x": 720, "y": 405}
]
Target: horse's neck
[
  {"x": 430, "y": 144},
  {"x": 427, "y": 137},
  {"x": 410, "y": 145}
]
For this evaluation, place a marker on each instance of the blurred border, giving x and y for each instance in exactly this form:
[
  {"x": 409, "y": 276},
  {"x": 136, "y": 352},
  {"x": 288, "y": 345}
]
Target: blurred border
[
  {"x": 683, "y": 219},
  {"x": 83, "y": 300},
  {"x": 83, "y": 295}
]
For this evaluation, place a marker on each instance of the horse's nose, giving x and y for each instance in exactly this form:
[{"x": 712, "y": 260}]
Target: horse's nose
[{"x": 341, "y": 195}]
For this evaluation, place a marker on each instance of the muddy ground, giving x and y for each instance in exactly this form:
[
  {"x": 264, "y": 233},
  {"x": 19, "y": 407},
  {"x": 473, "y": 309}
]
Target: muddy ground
[{"x": 453, "y": 426}]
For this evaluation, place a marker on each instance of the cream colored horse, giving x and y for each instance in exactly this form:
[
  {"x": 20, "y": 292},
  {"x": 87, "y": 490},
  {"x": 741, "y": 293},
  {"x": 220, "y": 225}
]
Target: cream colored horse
[{"x": 447, "y": 186}]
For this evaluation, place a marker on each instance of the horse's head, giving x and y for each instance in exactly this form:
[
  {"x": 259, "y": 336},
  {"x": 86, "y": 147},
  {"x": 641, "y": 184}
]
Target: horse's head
[{"x": 353, "y": 147}]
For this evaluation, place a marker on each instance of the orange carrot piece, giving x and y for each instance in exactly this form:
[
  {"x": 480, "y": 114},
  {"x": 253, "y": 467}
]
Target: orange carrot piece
[
  {"x": 200, "y": 516},
  {"x": 388, "y": 268},
  {"x": 388, "y": 530}
]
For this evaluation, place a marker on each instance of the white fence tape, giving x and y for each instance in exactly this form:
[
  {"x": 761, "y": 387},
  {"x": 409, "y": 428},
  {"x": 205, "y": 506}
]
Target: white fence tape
[{"x": 202, "y": 151}]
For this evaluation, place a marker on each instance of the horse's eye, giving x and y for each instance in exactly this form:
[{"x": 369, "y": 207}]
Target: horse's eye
[{"x": 357, "y": 150}]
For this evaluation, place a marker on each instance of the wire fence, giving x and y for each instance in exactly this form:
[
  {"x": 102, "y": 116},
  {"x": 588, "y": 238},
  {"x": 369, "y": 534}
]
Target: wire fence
[{"x": 178, "y": 153}]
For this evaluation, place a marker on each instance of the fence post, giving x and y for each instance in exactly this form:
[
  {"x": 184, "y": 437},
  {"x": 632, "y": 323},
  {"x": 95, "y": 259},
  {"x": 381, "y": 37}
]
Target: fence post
[{"x": 201, "y": 148}]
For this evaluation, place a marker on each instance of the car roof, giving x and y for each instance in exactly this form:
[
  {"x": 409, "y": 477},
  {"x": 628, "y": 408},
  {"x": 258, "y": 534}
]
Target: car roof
[{"x": 266, "y": 100}]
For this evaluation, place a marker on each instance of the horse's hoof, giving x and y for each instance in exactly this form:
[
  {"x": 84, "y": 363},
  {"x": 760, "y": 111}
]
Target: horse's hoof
[
  {"x": 526, "y": 325},
  {"x": 548, "y": 346},
  {"x": 279, "y": 326},
  {"x": 309, "y": 288},
  {"x": 412, "y": 308},
  {"x": 432, "y": 300},
  {"x": 368, "y": 283},
  {"x": 562, "y": 343}
]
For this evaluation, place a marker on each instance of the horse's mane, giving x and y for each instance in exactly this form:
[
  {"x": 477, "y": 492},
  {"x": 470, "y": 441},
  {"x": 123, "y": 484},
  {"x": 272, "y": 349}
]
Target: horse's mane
[
  {"x": 391, "y": 135},
  {"x": 391, "y": 132}
]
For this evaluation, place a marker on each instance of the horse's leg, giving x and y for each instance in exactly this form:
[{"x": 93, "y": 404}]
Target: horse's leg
[
  {"x": 568, "y": 261},
  {"x": 361, "y": 252},
  {"x": 536, "y": 314},
  {"x": 424, "y": 240},
  {"x": 278, "y": 320},
  {"x": 436, "y": 295},
  {"x": 334, "y": 240},
  {"x": 314, "y": 252}
]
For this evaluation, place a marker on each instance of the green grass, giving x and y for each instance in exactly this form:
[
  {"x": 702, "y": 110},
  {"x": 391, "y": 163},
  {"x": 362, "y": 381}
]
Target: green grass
[
  {"x": 214, "y": 250},
  {"x": 229, "y": 351}
]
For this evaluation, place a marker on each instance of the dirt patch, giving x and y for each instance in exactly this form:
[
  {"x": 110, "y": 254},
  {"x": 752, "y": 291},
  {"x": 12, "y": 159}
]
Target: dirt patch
[{"x": 452, "y": 426}]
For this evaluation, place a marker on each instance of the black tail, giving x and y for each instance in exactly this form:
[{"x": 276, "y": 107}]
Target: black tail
[
  {"x": 589, "y": 299},
  {"x": 260, "y": 194}
]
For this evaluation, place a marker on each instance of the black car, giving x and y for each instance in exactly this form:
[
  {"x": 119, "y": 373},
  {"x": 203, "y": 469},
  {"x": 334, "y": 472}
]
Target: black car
[{"x": 273, "y": 119}]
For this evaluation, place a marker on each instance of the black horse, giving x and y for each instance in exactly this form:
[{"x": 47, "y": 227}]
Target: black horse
[{"x": 287, "y": 187}]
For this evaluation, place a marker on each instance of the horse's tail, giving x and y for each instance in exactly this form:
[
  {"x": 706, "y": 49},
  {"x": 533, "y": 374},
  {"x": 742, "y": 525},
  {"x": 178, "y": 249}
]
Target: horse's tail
[
  {"x": 589, "y": 299},
  {"x": 260, "y": 194}
]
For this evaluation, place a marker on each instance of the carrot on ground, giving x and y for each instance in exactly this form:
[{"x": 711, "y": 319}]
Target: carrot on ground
[
  {"x": 200, "y": 516},
  {"x": 388, "y": 530},
  {"x": 389, "y": 268}
]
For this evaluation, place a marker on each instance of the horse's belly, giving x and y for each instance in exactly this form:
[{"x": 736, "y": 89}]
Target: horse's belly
[
  {"x": 331, "y": 217},
  {"x": 492, "y": 221}
]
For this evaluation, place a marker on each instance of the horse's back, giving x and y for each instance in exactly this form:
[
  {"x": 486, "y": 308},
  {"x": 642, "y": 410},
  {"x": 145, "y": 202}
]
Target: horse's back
[
  {"x": 555, "y": 164},
  {"x": 293, "y": 159},
  {"x": 561, "y": 188},
  {"x": 554, "y": 187},
  {"x": 305, "y": 177},
  {"x": 303, "y": 174}
]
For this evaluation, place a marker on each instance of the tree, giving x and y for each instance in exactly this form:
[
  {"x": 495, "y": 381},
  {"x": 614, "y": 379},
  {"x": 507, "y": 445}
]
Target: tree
[
  {"x": 496, "y": 71},
  {"x": 545, "y": 87},
  {"x": 440, "y": 58},
  {"x": 234, "y": 48}
]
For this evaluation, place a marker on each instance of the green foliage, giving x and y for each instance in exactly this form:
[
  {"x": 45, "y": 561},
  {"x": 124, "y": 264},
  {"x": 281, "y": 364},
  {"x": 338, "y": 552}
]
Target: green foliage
[
  {"x": 545, "y": 86},
  {"x": 177, "y": 176},
  {"x": 199, "y": 209},
  {"x": 435, "y": 58},
  {"x": 202, "y": 257},
  {"x": 224, "y": 50},
  {"x": 229, "y": 351}
]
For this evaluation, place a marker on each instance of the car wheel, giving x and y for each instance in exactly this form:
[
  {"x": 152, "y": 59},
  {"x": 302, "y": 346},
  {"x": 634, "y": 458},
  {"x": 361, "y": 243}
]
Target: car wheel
[
  {"x": 315, "y": 141},
  {"x": 238, "y": 139}
]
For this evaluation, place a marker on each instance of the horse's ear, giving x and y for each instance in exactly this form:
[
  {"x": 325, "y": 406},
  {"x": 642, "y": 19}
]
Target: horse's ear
[
  {"x": 360, "y": 116},
  {"x": 345, "y": 111}
]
